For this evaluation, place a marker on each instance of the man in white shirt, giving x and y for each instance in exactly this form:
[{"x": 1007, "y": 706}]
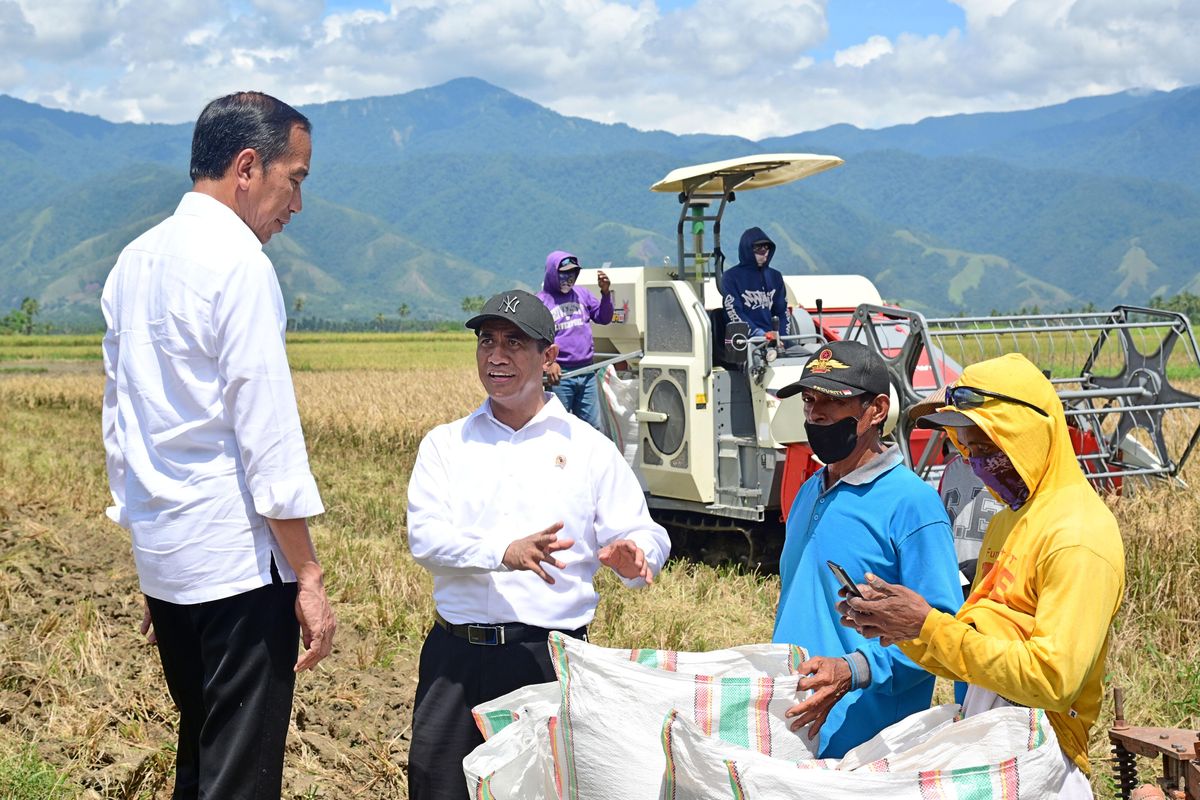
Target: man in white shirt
[
  {"x": 206, "y": 459},
  {"x": 513, "y": 509}
]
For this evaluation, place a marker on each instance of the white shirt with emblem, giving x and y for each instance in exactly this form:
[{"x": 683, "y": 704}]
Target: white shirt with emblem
[
  {"x": 201, "y": 432},
  {"x": 478, "y": 485}
]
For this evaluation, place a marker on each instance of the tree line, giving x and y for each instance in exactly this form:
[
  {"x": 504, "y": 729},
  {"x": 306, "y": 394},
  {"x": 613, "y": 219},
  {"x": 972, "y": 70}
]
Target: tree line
[{"x": 23, "y": 319}]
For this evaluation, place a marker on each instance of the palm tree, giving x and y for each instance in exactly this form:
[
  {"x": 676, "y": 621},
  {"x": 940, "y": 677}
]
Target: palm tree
[{"x": 29, "y": 307}]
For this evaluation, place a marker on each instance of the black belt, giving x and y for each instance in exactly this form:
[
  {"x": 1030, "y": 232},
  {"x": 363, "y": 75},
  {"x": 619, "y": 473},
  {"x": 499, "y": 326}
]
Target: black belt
[{"x": 507, "y": 633}]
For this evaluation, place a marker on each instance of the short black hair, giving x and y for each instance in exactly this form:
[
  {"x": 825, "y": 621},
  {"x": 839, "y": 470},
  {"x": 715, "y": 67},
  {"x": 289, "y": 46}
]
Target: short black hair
[{"x": 235, "y": 122}]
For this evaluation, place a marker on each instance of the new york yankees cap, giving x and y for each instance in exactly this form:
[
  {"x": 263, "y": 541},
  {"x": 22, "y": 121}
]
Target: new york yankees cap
[{"x": 520, "y": 308}]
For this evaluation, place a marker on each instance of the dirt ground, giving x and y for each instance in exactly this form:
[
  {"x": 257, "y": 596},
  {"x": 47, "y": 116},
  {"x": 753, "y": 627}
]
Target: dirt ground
[{"x": 79, "y": 683}]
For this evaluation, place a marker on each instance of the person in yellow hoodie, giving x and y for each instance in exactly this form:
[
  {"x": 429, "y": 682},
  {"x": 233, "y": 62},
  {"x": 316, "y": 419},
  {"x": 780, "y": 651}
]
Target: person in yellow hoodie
[{"x": 1034, "y": 630}]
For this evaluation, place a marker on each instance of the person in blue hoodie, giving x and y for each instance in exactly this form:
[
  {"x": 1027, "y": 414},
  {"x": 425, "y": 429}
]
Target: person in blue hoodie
[
  {"x": 753, "y": 290},
  {"x": 574, "y": 309}
]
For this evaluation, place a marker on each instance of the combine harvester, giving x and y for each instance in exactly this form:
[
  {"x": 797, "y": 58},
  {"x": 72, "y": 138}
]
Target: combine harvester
[{"x": 697, "y": 412}]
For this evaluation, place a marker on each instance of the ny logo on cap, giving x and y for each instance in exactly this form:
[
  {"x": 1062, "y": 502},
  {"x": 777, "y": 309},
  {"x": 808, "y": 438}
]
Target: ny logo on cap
[{"x": 510, "y": 305}]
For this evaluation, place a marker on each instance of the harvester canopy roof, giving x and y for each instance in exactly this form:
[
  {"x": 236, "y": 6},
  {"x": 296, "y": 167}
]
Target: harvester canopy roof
[{"x": 748, "y": 172}]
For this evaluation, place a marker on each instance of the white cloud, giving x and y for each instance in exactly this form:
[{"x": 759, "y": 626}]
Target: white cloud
[
  {"x": 862, "y": 54},
  {"x": 715, "y": 66},
  {"x": 15, "y": 29}
]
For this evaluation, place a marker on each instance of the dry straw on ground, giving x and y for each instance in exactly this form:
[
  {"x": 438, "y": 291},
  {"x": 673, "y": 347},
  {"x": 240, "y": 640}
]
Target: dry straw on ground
[{"x": 81, "y": 691}]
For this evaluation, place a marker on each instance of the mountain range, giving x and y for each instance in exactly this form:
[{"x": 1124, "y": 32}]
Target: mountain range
[{"x": 461, "y": 189}]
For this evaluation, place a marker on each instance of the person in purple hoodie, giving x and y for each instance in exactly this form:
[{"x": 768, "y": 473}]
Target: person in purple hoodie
[{"x": 573, "y": 310}]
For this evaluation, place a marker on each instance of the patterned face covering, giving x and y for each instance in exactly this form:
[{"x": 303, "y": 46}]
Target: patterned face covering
[
  {"x": 998, "y": 474},
  {"x": 566, "y": 281}
]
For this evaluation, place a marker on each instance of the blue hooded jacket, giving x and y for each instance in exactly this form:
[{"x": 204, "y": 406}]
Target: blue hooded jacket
[
  {"x": 755, "y": 294},
  {"x": 573, "y": 312}
]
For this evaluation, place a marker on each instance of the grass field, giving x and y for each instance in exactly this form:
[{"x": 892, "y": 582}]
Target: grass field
[{"x": 83, "y": 709}]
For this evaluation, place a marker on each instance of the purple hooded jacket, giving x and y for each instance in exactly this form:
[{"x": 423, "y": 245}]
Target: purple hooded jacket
[{"x": 572, "y": 312}]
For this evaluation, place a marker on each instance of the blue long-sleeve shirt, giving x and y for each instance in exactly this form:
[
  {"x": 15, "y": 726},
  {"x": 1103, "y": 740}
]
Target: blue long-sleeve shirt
[{"x": 882, "y": 519}]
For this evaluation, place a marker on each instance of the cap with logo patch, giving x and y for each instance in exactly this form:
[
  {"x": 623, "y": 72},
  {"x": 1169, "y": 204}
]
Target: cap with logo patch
[
  {"x": 521, "y": 309},
  {"x": 842, "y": 369}
]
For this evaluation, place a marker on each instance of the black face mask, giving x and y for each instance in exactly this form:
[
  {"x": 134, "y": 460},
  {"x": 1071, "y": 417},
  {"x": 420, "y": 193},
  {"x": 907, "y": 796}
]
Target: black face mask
[{"x": 831, "y": 443}]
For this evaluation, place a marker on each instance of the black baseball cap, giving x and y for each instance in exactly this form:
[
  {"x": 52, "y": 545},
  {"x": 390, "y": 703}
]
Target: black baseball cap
[
  {"x": 521, "y": 309},
  {"x": 842, "y": 369}
]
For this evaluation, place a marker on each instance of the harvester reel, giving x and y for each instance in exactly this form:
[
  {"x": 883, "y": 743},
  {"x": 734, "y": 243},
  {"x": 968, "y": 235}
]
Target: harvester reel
[
  {"x": 1136, "y": 390},
  {"x": 1148, "y": 373}
]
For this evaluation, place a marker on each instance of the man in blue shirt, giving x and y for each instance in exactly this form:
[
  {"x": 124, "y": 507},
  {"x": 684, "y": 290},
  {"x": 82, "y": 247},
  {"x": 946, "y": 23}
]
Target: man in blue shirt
[{"x": 868, "y": 512}]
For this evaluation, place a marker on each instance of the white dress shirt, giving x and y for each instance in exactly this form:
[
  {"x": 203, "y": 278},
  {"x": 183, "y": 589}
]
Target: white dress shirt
[
  {"x": 478, "y": 485},
  {"x": 201, "y": 432}
]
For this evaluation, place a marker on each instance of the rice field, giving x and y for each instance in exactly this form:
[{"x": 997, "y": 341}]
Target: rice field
[{"x": 83, "y": 709}]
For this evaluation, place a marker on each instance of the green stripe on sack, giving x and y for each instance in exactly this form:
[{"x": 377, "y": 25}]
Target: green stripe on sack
[
  {"x": 562, "y": 663},
  {"x": 1041, "y": 721},
  {"x": 483, "y": 789},
  {"x": 735, "y": 781},
  {"x": 648, "y": 658},
  {"x": 972, "y": 783},
  {"x": 794, "y": 658},
  {"x": 734, "y": 723},
  {"x": 668, "y": 787},
  {"x": 499, "y": 720}
]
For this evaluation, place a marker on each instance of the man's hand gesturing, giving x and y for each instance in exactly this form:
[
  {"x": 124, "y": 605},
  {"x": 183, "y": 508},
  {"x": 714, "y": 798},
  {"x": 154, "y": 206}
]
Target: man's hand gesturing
[
  {"x": 627, "y": 560},
  {"x": 533, "y": 551}
]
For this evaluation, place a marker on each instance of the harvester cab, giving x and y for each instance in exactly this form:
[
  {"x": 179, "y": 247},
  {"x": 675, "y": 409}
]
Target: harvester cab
[{"x": 703, "y": 432}]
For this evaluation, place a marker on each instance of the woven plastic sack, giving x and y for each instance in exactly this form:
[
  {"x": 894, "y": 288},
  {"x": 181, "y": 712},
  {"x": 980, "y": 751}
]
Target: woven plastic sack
[
  {"x": 516, "y": 763},
  {"x": 619, "y": 412},
  {"x": 611, "y": 715},
  {"x": 542, "y": 699},
  {"x": 900, "y": 736},
  {"x": 695, "y": 767},
  {"x": 696, "y": 764},
  {"x": 749, "y": 659},
  {"x": 539, "y": 700},
  {"x": 1009, "y": 753}
]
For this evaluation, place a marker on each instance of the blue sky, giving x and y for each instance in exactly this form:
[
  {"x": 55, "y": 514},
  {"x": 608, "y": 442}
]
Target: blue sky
[
  {"x": 755, "y": 68},
  {"x": 850, "y": 21},
  {"x": 855, "y": 21}
]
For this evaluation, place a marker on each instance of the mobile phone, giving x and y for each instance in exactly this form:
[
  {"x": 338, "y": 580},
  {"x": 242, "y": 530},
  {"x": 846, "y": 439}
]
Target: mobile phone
[{"x": 844, "y": 579}]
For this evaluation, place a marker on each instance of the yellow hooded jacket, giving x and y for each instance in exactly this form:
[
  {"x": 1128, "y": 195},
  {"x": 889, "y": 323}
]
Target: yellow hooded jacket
[{"x": 1035, "y": 629}]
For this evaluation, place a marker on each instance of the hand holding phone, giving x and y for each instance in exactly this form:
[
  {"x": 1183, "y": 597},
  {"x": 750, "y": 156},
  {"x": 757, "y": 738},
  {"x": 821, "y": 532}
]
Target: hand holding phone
[{"x": 844, "y": 579}]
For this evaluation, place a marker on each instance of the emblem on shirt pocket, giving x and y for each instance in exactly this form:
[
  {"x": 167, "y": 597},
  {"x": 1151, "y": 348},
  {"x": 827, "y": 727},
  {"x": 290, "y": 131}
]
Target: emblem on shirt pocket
[{"x": 560, "y": 462}]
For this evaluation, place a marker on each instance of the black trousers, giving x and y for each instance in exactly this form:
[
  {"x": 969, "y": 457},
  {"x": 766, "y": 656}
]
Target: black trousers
[
  {"x": 454, "y": 676},
  {"x": 228, "y": 665}
]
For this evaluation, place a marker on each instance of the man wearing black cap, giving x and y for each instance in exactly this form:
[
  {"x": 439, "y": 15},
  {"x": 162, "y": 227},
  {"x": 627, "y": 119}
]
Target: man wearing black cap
[
  {"x": 867, "y": 512},
  {"x": 513, "y": 509}
]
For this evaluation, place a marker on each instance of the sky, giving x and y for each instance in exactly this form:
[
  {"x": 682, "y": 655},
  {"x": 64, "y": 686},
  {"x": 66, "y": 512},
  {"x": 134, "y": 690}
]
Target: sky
[{"x": 754, "y": 68}]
